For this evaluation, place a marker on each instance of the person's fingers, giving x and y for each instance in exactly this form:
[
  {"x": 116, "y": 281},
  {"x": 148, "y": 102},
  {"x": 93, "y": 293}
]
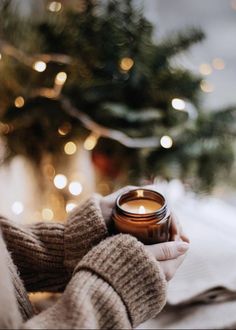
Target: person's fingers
[
  {"x": 167, "y": 251},
  {"x": 177, "y": 233},
  {"x": 175, "y": 228},
  {"x": 184, "y": 237},
  {"x": 170, "y": 267}
]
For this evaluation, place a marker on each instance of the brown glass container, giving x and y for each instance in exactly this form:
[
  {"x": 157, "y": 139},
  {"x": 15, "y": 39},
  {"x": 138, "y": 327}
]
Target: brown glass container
[{"x": 151, "y": 227}]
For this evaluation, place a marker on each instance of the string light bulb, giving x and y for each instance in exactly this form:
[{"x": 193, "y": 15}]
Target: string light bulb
[
  {"x": 75, "y": 188},
  {"x": 60, "y": 181},
  {"x": 166, "y": 142},
  {"x": 91, "y": 142},
  {"x": 0, "y": 56},
  {"x": 206, "y": 86},
  {"x": 54, "y": 6},
  {"x": 205, "y": 69},
  {"x": 39, "y": 66},
  {"x": 47, "y": 214},
  {"x": 70, "y": 206},
  {"x": 64, "y": 129},
  {"x": 218, "y": 64},
  {"x": 60, "y": 78},
  {"x": 70, "y": 148},
  {"x": 17, "y": 207},
  {"x": 19, "y": 102},
  {"x": 178, "y": 104},
  {"x": 126, "y": 63}
]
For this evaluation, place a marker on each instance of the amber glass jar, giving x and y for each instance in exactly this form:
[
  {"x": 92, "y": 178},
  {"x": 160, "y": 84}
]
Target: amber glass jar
[{"x": 144, "y": 214}]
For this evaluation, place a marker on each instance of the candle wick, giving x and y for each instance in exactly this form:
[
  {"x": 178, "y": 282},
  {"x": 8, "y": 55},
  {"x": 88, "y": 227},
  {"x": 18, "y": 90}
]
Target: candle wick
[{"x": 141, "y": 210}]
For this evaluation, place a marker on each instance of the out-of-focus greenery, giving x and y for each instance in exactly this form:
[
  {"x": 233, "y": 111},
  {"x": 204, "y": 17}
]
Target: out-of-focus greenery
[{"x": 134, "y": 97}]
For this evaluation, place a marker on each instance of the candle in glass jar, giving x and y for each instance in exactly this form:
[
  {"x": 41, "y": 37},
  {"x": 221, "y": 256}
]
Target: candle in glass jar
[
  {"x": 141, "y": 206},
  {"x": 144, "y": 214}
]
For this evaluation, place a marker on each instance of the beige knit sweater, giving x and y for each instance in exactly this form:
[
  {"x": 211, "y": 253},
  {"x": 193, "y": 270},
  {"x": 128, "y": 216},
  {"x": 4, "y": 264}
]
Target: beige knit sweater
[{"x": 108, "y": 283}]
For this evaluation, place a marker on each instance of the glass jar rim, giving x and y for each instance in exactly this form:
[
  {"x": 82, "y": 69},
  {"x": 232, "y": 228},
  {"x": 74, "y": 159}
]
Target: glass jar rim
[{"x": 142, "y": 193}]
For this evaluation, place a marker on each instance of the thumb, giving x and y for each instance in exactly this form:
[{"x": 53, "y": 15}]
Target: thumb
[{"x": 169, "y": 250}]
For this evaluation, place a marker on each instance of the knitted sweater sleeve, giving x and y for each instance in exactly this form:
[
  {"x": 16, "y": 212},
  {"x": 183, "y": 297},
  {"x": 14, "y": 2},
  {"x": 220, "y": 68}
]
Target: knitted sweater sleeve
[
  {"x": 46, "y": 253},
  {"x": 117, "y": 285}
]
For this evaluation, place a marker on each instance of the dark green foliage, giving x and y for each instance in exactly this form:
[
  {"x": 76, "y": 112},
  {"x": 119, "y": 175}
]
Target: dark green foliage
[{"x": 136, "y": 101}]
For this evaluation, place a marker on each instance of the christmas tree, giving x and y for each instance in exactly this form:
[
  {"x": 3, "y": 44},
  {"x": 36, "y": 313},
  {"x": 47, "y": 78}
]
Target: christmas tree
[{"x": 91, "y": 71}]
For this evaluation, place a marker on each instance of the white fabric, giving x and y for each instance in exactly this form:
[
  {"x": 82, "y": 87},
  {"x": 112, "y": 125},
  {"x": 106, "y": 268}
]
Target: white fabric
[{"x": 208, "y": 273}]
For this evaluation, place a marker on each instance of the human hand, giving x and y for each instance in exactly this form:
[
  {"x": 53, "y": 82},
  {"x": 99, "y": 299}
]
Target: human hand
[
  {"x": 108, "y": 202},
  {"x": 170, "y": 256}
]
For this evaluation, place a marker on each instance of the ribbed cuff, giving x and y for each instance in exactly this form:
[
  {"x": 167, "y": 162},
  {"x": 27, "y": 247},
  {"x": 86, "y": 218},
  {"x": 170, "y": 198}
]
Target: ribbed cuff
[
  {"x": 123, "y": 262},
  {"x": 85, "y": 229}
]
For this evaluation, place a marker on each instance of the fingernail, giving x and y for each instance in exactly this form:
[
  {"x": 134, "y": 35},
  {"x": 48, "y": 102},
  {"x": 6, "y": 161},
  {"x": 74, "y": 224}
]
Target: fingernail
[{"x": 182, "y": 246}]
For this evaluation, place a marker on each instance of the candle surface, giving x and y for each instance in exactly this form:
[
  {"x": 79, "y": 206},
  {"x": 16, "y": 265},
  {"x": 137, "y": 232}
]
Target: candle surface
[{"x": 141, "y": 206}]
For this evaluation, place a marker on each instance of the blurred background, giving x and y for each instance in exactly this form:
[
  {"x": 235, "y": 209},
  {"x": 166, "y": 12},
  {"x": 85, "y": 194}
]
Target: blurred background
[{"x": 95, "y": 95}]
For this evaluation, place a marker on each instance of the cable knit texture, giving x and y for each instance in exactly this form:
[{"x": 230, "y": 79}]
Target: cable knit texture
[
  {"x": 116, "y": 285},
  {"x": 85, "y": 229},
  {"x": 123, "y": 262}
]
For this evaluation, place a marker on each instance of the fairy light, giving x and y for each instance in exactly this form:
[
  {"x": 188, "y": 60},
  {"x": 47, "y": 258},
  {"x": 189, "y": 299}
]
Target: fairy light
[
  {"x": 60, "y": 78},
  {"x": 54, "y": 6},
  {"x": 205, "y": 69},
  {"x": 126, "y": 63},
  {"x": 39, "y": 66},
  {"x": 178, "y": 104},
  {"x": 60, "y": 181},
  {"x": 206, "y": 86},
  {"x": 218, "y": 64},
  {"x": 70, "y": 148},
  {"x": 75, "y": 188},
  {"x": 19, "y": 102},
  {"x": 17, "y": 207},
  {"x": 47, "y": 214},
  {"x": 166, "y": 142},
  {"x": 90, "y": 142},
  {"x": 70, "y": 206},
  {"x": 64, "y": 129}
]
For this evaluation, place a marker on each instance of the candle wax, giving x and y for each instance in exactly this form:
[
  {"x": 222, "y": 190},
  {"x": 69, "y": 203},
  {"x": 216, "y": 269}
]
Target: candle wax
[{"x": 141, "y": 206}]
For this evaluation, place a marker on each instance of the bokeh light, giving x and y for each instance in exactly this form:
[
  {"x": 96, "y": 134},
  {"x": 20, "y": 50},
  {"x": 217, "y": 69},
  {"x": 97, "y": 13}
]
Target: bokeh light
[
  {"x": 75, "y": 188},
  {"x": 40, "y": 66},
  {"x": 60, "y": 181},
  {"x": 166, "y": 142}
]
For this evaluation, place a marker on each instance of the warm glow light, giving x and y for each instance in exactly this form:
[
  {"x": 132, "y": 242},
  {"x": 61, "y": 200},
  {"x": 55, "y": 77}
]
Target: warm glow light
[
  {"x": 166, "y": 142},
  {"x": 4, "y": 128},
  {"x": 54, "y": 6},
  {"x": 19, "y": 102},
  {"x": 178, "y": 104},
  {"x": 60, "y": 181},
  {"x": 40, "y": 66},
  {"x": 90, "y": 142},
  {"x": 0, "y": 56},
  {"x": 75, "y": 188},
  {"x": 17, "y": 207},
  {"x": 47, "y": 214},
  {"x": 60, "y": 78},
  {"x": 205, "y": 69},
  {"x": 64, "y": 129},
  {"x": 126, "y": 63},
  {"x": 206, "y": 86},
  {"x": 141, "y": 210},
  {"x": 70, "y": 206},
  {"x": 70, "y": 148},
  {"x": 218, "y": 64}
]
